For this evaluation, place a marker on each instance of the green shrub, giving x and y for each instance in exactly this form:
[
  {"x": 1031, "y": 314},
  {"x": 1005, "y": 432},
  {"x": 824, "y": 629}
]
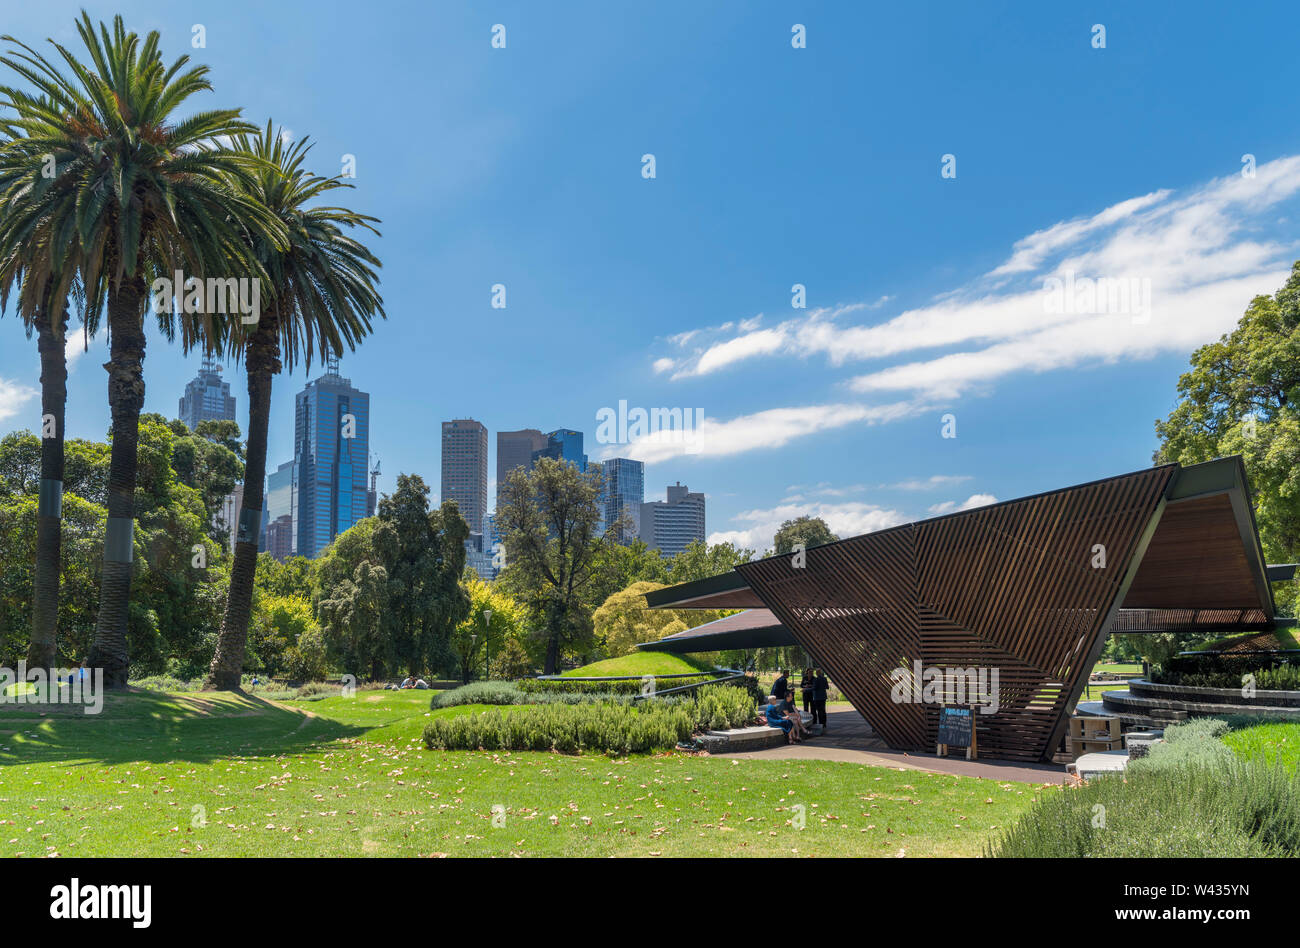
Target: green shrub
[
  {"x": 618, "y": 726},
  {"x": 479, "y": 692},
  {"x": 1275, "y": 671},
  {"x": 1184, "y": 800},
  {"x": 628, "y": 686}
]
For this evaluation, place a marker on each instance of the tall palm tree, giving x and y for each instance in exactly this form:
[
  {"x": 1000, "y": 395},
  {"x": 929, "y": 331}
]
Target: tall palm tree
[
  {"x": 43, "y": 275},
  {"x": 146, "y": 194},
  {"x": 322, "y": 296}
]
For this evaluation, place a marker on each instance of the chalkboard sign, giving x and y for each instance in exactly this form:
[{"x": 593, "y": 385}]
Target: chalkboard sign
[{"x": 956, "y": 727}]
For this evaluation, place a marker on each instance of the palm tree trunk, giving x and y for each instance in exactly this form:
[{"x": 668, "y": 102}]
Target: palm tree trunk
[
  {"x": 262, "y": 362},
  {"x": 41, "y": 651},
  {"x": 125, "y": 399}
]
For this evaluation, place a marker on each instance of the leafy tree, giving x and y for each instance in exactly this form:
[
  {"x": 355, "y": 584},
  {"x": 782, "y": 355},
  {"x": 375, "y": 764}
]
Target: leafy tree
[
  {"x": 619, "y": 565},
  {"x": 290, "y": 578},
  {"x": 352, "y": 620},
  {"x": 210, "y": 465},
  {"x": 80, "y": 551},
  {"x": 624, "y": 620},
  {"x": 423, "y": 552},
  {"x": 145, "y": 193},
  {"x": 1242, "y": 396},
  {"x": 810, "y": 531},
  {"x": 321, "y": 295},
  {"x": 548, "y": 517},
  {"x": 492, "y": 621},
  {"x": 700, "y": 561},
  {"x": 277, "y": 627}
]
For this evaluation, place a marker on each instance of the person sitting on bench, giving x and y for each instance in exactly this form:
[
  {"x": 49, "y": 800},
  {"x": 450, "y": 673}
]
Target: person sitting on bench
[{"x": 776, "y": 718}]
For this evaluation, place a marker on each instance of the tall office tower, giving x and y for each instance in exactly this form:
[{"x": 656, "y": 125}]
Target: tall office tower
[
  {"x": 623, "y": 494},
  {"x": 280, "y": 511},
  {"x": 207, "y": 397},
  {"x": 331, "y": 443},
  {"x": 464, "y": 471},
  {"x": 515, "y": 449},
  {"x": 670, "y": 527},
  {"x": 564, "y": 444}
]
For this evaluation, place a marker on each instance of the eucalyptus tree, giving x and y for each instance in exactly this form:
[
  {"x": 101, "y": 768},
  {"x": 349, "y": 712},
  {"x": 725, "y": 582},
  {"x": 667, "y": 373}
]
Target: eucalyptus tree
[
  {"x": 145, "y": 193},
  {"x": 321, "y": 296}
]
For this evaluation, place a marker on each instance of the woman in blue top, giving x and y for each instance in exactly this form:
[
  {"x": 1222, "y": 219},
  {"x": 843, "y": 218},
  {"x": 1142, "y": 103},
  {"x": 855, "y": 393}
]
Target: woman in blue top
[{"x": 776, "y": 718}]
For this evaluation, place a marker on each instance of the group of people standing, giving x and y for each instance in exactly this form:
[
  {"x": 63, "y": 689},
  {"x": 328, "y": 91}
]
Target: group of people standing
[{"x": 782, "y": 711}]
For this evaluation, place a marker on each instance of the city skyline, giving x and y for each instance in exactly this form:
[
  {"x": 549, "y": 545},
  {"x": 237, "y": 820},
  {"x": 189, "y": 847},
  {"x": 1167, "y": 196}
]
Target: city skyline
[{"x": 924, "y": 295}]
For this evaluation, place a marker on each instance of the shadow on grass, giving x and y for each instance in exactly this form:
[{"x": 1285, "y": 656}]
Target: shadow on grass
[{"x": 158, "y": 727}]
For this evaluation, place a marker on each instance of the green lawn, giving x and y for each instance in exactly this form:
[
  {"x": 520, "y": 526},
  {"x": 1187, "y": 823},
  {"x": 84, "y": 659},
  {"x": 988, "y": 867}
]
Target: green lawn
[
  {"x": 638, "y": 664},
  {"x": 204, "y": 774},
  {"x": 1118, "y": 668},
  {"x": 1278, "y": 740}
]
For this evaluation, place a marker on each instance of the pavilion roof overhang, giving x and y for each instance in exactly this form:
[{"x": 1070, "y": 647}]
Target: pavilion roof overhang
[{"x": 1203, "y": 568}]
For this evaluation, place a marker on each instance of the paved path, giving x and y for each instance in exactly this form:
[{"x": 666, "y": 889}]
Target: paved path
[{"x": 849, "y": 738}]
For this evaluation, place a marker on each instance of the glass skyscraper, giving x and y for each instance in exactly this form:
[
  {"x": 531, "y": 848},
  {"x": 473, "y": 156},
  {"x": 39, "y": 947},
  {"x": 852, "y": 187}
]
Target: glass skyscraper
[
  {"x": 564, "y": 444},
  {"x": 623, "y": 494},
  {"x": 331, "y": 445}
]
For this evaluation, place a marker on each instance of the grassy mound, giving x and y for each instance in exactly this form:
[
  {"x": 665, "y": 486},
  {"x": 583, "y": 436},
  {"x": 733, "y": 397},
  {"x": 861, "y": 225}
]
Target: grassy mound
[{"x": 638, "y": 664}]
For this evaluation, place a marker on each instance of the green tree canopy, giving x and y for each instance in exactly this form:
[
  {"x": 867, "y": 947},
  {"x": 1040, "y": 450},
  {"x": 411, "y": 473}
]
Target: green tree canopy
[
  {"x": 1242, "y": 396},
  {"x": 548, "y": 518},
  {"x": 810, "y": 531}
]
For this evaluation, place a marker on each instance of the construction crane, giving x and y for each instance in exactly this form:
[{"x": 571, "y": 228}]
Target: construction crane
[{"x": 372, "y": 498}]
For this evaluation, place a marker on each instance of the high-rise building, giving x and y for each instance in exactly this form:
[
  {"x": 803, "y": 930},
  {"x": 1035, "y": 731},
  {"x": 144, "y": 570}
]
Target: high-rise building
[
  {"x": 515, "y": 449},
  {"x": 622, "y": 496},
  {"x": 564, "y": 444},
  {"x": 207, "y": 397},
  {"x": 280, "y": 510},
  {"x": 671, "y": 526},
  {"x": 464, "y": 470},
  {"x": 279, "y": 537},
  {"x": 331, "y": 445}
]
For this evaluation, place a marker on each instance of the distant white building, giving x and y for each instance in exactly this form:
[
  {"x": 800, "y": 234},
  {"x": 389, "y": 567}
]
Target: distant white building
[{"x": 670, "y": 526}]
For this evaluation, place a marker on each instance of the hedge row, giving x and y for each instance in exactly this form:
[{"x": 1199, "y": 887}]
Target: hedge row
[
  {"x": 631, "y": 686},
  {"x": 607, "y": 726},
  {"x": 1282, "y": 677}
]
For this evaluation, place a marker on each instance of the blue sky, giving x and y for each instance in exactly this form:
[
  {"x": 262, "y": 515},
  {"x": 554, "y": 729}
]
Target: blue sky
[{"x": 774, "y": 166}]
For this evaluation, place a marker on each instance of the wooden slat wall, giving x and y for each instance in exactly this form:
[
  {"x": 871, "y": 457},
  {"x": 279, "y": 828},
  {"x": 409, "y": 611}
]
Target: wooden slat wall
[{"x": 1009, "y": 586}]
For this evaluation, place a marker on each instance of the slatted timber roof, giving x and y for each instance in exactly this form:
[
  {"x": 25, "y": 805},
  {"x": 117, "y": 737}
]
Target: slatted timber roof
[{"x": 1018, "y": 586}]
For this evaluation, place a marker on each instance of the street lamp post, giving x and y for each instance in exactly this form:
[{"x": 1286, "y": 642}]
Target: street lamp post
[{"x": 487, "y": 644}]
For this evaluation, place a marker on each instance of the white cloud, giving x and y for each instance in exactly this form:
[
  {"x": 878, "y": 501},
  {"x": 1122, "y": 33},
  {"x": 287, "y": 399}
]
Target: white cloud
[
  {"x": 970, "y": 503},
  {"x": 1030, "y": 251},
  {"x": 14, "y": 397},
  {"x": 1198, "y": 254},
  {"x": 663, "y": 365},
  {"x": 765, "y": 429},
  {"x": 929, "y": 483},
  {"x": 758, "y": 528}
]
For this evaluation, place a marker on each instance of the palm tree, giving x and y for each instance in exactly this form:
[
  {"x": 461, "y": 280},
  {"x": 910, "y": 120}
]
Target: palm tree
[
  {"x": 322, "y": 295},
  {"x": 44, "y": 276},
  {"x": 145, "y": 194}
]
